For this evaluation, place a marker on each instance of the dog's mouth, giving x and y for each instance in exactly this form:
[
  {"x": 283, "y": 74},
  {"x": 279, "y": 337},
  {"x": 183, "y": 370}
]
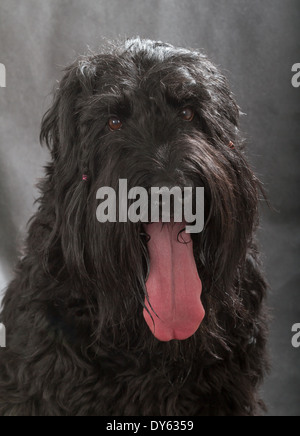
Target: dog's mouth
[{"x": 173, "y": 308}]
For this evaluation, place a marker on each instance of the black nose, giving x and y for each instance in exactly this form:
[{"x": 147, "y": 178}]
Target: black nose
[
  {"x": 162, "y": 183},
  {"x": 169, "y": 183}
]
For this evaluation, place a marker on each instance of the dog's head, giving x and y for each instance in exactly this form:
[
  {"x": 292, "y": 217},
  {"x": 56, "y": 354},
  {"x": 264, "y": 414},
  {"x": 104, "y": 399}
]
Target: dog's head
[{"x": 152, "y": 115}]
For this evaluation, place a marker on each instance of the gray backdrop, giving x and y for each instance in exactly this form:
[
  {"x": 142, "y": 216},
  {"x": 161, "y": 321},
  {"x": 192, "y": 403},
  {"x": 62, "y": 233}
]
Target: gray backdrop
[{"x": 256, "y": 42}]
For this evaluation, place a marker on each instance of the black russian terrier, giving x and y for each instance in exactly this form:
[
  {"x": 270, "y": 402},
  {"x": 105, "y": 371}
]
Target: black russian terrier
[{"x": 108, "y": 319}]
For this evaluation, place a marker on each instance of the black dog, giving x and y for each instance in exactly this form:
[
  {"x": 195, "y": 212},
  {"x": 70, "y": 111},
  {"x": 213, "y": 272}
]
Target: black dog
[{"x": 79, "y": 309}]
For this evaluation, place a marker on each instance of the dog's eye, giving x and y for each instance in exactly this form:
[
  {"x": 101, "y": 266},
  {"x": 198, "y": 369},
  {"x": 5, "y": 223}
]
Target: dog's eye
[
  {"x": 188, "y": 114},
  {"x": 114, "y": 123}
]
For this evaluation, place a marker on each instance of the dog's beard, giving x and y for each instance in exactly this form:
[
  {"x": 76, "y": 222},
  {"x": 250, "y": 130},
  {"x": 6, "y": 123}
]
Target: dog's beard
[
  {"x": 173, "y": 308},
  {"x": 160, "y": 274}
]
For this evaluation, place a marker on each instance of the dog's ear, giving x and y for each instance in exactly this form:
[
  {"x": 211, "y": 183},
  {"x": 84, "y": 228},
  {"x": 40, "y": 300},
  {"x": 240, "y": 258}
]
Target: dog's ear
[
  {"x": 62, "y": 132},
  {"x": 60, "y": 126},
  {"x": 217, "y": 106}
]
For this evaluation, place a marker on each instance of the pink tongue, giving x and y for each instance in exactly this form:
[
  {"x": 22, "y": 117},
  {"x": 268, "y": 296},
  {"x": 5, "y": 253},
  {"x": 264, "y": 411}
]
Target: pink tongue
[{"x": 174, "y": 287}]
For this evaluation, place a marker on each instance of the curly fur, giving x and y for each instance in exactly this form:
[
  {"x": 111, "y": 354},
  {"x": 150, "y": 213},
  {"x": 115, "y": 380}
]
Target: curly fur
[{"x": 77, "y": 343}]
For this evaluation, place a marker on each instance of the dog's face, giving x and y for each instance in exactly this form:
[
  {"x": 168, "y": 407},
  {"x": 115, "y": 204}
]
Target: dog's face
[{"x": 155, "y": 116}]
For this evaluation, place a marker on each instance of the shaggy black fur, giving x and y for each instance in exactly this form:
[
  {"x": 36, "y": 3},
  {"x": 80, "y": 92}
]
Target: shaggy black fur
[{"x": 77, "y": 342}]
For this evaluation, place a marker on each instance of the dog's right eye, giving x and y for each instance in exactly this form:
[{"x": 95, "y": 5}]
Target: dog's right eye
[
  {"x": 188, "y": 114},
  {"x": 114, "y": 123}
]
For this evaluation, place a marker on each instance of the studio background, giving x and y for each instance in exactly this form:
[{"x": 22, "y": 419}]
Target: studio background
[{"x": 254, "y": 42}]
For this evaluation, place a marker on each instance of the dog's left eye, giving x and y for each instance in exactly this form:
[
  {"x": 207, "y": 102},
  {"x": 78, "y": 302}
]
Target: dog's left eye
[
  {"x": 114, "y": 123},
  {"x": 188, "y": 114}
]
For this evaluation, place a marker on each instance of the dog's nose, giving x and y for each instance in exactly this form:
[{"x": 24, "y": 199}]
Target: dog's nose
[
  {"x": 157, "y": 183},
  {"x": 169, "y": 183}
]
